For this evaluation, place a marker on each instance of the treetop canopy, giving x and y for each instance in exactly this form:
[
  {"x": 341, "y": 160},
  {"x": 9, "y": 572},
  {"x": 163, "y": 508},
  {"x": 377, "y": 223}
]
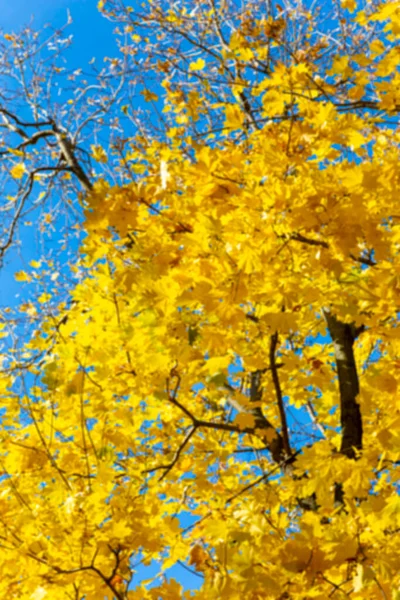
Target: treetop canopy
[{"x": 218, "y": 391}]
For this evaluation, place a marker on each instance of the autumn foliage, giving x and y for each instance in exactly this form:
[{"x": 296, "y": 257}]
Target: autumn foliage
[{"x": 219, "y": 392}]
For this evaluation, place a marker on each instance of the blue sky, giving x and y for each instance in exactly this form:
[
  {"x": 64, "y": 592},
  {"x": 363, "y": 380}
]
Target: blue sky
[
  {"x": 18, "y": 12},
  {"x": 92, "y": 33}
]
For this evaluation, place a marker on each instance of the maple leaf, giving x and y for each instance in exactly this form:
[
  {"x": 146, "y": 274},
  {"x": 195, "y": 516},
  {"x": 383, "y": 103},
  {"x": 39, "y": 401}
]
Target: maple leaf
[
  {"x": 218, "y": 384},
  {"x": 22, "y": 276},
  {"x": 234, "y": 117},
  {"x": 198, "y": 557},
  {"x": 18, "y": 171},
  {"x": 245, "y": 421},
  {"x": 148, "y": 95},
  {"x": 99, "y": 154},
  {"x": 197, "y": 65}
]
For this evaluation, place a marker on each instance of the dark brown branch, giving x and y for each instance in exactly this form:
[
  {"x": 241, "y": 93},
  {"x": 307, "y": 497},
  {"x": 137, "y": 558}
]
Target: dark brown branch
[
  {"x": 249, "y": 486},
  {"x": 177, "y": 454},
  {"x": 67, "y": 148},
  {"x": 35, "y": 138},
  {"x": 278, "y": 393},
  {"x": 360, "y": 104},
  {"x": 225, "y": 427},
  {"x": 298, "y": 237},
  {"x": 28, "y": 141},
  {"x": 343, "y": 336},
  {"x": 261, "y": 424},
  {"x": 281, "y": 454},
  {"x": 6, "y": 112},
  {"x": 275, "y": 445},
  {"x": 184, "y": 410},
  {"x": 182, "y": 564},
  {"x": 364, "y": 260},
  {"x": 252, "y": 318}
]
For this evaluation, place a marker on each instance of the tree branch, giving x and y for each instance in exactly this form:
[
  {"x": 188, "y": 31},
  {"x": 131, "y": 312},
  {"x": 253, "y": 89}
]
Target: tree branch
[
  {"x": 343, "y": 336},
  {"x": 298, "y": 237},
  {"x": 68, "y": 153},
  {"x": 278, "y": 392},
  {"x": 167, "y": 468}
]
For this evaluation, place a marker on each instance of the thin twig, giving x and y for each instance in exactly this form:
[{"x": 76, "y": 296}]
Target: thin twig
[{"x": 176, "y": 456}]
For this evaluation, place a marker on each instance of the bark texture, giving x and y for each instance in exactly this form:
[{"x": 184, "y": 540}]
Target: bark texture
[{"x": 343, "y": 337}]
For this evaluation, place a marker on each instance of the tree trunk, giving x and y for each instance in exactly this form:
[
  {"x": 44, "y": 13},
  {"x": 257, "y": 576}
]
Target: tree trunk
[{"x": 343, "y": 336}]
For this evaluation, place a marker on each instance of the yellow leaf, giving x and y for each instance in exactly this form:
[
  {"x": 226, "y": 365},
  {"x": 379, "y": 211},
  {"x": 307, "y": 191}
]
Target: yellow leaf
[
  {"x": 22, "y": 276},
  {"x": 363, "y": 575},
  {"x": 18, "y": 171},
  {"x": 149, "y": 96},
  {"x": 121, "y": 530},
  {"x": 217, "y": 364},
  {"x": 30, "y": 310},
  {"x": 268, "y": 433},
  {"x": 351, "y": 5},
  {"x": 355, "y": 139},
  {"x": 377, "y": 47},
  {"x": 198, "y": 65},
  {"x": 99, "y": 154},
  {"x": 75, "y": 386},
  {"x": 234, "y": 117},
  {"x": 15, "y": 152},
  {"x": 392, "y": 508},
  {"x": 340, "y": 66},
  {"x": 245, "y": 54},
  {"x": 281, "y": 321},
  {"x": 245, "y": 421},
  {"x": 198, "y": 557},
  {"x": 43, "y": 298},
  {"x": 273, "y": 102},
  {"x": 358, "y": 583},
  {"x": 387, "y": 10}
]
